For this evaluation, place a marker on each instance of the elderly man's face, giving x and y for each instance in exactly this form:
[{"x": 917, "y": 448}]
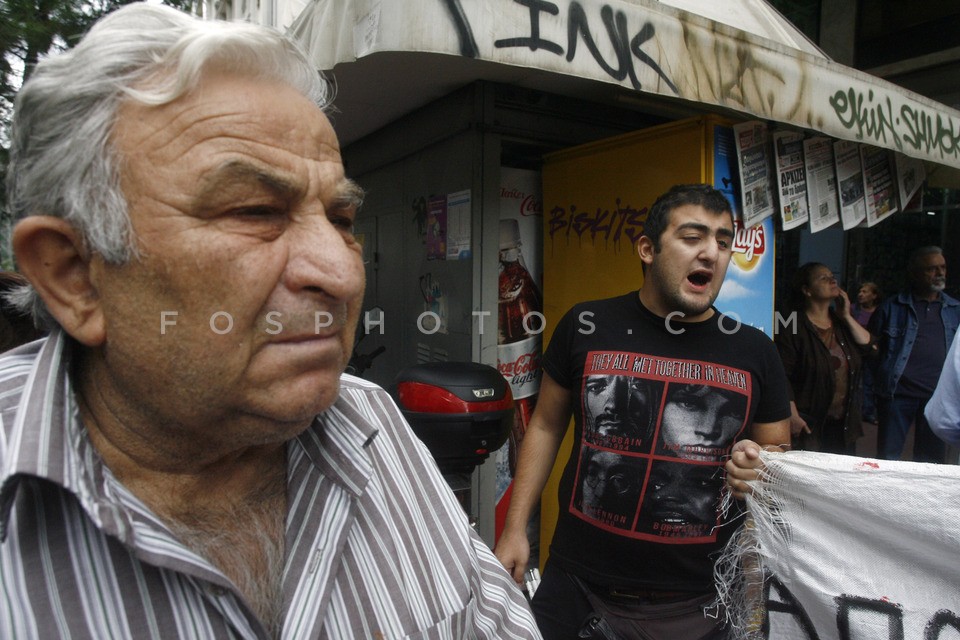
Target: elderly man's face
[
  {"x": 248, "y": 289},
  {"x": 929, "y": 273}
]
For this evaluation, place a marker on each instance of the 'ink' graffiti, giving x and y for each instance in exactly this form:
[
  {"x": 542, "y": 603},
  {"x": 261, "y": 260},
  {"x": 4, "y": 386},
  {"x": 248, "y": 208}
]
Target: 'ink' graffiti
[
  {"x": 468, "y": 45},
  {"x": 627, "y": 42}
]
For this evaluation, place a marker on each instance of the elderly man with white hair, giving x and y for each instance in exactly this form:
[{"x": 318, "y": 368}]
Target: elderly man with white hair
[{"x": 181, "y": 457}]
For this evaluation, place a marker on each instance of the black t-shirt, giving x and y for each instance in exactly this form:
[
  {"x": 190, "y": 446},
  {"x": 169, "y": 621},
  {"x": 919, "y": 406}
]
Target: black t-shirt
[{"x": 657, "y": 406}]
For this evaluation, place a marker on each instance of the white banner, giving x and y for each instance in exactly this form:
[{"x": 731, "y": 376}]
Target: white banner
[{"x": 849, "y": 549}]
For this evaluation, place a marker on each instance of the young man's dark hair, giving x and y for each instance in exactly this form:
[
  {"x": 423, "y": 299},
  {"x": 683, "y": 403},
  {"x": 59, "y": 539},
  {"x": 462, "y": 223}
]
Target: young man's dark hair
[{"x": 697, "y": 194}]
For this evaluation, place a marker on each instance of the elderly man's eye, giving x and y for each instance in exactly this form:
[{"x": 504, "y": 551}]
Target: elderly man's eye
[
  {"x": 344, "y": 223},
  {"x": 258, "y": 212}
]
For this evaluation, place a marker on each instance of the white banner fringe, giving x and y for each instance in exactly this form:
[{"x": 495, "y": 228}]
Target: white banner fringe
[{"x": 846, "y": 548}]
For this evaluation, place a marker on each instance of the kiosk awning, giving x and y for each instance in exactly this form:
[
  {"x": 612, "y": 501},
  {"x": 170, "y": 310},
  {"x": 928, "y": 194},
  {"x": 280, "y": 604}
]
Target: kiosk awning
[{"x": 738, "y": 55}]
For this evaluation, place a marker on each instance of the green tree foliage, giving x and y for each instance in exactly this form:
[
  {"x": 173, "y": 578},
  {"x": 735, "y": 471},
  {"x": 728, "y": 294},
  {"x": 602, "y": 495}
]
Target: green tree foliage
[{"x": 29, "y": 30}]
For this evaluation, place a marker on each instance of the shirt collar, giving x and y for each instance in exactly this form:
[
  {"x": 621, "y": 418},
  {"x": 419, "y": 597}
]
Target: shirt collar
[
  {"x": 45, "y": 437},
  {"x": 338, "y": 441}
]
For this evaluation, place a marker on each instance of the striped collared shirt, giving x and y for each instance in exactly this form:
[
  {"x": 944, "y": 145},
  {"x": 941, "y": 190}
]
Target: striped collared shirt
[{"x": 376, "y": 544}]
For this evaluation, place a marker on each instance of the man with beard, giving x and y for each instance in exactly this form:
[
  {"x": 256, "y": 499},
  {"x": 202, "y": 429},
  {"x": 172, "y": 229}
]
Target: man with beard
[
  {"x": 913, "y": 331},
  {"x": 620, "y": 410},
  {"x": 647, "y": 584}
]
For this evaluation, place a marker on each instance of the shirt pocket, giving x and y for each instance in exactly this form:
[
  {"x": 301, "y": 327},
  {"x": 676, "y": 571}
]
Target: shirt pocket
[{"x": 894, "y": 332}]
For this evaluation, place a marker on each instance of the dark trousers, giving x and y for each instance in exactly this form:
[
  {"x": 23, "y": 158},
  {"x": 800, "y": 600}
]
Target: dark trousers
[
  {"x": 895, "y": 415},
  {"x": 561, "y": 607},
  {"x": 869, "y": 405}
]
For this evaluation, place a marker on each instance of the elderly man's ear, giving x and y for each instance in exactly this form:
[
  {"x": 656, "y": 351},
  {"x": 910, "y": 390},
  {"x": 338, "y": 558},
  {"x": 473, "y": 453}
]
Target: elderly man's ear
[{"x": 51, "y": 254}]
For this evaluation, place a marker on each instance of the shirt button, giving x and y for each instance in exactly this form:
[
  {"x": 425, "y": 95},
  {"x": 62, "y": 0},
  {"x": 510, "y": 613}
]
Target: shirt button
[{"x": 217, "y": 591}]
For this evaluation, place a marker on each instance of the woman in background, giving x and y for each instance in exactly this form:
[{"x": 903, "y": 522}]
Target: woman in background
[
  {"x": 821, "y": 353},
  {"x": 868, "y": 299}
]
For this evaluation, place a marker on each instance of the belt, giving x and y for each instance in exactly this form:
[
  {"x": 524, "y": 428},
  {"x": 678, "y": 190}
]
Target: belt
[{"x": 647, "y": 595}]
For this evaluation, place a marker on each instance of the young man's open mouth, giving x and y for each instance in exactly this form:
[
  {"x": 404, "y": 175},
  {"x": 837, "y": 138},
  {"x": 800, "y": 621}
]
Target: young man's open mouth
[{"x": 700, "y": 279}]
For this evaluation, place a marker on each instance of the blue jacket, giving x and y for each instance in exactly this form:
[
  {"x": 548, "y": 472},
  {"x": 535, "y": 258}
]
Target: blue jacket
[{"x": 894, "y": 325}]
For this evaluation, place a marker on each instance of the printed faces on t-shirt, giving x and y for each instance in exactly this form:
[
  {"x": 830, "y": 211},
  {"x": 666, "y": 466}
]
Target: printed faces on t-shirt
[{"x": 656, "y": 432}]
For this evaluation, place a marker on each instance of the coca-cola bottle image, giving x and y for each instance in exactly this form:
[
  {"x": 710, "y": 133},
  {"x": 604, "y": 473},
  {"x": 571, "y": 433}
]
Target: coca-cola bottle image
[{"x": 519, "y": 307}]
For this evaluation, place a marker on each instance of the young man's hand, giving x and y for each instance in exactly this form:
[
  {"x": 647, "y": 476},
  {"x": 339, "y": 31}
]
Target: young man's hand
[{"x": 745, "y": 465}]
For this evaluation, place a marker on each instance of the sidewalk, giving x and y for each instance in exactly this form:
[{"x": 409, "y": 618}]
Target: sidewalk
[{"x": 867, "y": 444}]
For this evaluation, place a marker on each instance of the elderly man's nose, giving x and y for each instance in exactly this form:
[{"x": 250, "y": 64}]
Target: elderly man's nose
[{"x": 323, "y": 258}]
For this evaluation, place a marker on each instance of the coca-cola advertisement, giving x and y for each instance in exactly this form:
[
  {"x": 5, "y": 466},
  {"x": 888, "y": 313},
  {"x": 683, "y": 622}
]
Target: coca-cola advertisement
[{"x": 519, "y": 311}]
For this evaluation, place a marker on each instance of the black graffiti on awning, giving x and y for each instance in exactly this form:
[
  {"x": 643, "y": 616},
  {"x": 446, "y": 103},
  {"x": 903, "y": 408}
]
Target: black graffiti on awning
[{"x": 627, "y": 43}]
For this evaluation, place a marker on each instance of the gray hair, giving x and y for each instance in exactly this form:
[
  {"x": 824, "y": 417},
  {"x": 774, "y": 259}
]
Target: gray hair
[
  {"x": 61, "y": 158},
  {"x": 918, "y": 254}
]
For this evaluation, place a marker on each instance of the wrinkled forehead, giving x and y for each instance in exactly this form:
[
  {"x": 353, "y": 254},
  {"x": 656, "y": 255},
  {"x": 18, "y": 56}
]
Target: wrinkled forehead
[
  {"x": 928, "y": 262},
  {"x": 225, "y": 106}
]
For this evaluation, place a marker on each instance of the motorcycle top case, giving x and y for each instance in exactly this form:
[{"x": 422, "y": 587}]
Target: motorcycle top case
[{"x": 460, "y": 410}]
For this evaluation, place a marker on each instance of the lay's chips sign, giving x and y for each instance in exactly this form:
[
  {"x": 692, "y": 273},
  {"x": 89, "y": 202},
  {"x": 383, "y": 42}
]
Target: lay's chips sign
[
  {"x": 747, "y": 292},
  {"x": 749, "y": 246}
]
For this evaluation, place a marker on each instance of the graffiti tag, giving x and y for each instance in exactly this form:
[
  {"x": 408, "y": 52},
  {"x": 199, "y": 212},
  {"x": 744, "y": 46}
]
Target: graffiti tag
[
  {"x": 627, "y": 42},
  {"x": 610, "y": 225},
  {"x": 875, "y": 120}
]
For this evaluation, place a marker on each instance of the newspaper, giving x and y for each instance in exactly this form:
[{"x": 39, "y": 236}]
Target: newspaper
[
  {"x": 791, "y": 178},
  {"x": 821, "y": 183},
  {"x": 879, "y": 186},
  {"x": 911, "y": 173},
  {"x": 853, "y": 206},
  {"x": 755, "y": 180}
]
